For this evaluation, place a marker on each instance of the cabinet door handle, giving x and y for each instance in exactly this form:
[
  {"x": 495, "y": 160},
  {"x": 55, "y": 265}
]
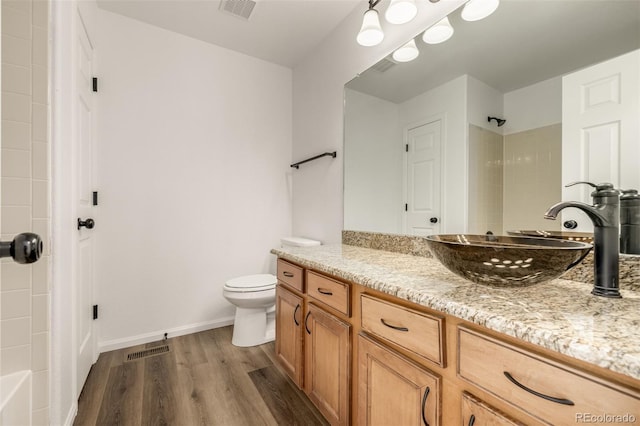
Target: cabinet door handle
[
  {"x": 538, "y": 394},
  {"x": 472, "y": 420},
  {"x": 305, "y": 322},
  {"x": 294, "y": 314},
  {"x": 424, "y": 406},
  {"x": 324, "y": 291},
  {"x": 395, "y": 327},
  {"x": 287, "y": 274}
]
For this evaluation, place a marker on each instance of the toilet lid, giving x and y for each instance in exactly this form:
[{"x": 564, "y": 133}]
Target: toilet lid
[{"x": 251, "y": 282}]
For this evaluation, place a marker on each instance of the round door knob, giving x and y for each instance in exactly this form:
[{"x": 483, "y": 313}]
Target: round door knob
[
  {"x": 570, "y": 224},
  {"x": 433, "y": 220},
  {"x": 25, "y": 248},
  {"x": 89, "y": 223}
]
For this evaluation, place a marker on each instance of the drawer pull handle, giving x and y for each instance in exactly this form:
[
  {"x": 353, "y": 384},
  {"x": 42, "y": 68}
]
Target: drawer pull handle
[
  {"x": 424, "y": 406},
  {"x": 305, "y": 322},
  {"x": 294, "y": 314},
  {"x": 538, "y": 394},
  {"x": 472, "y": 420},
  {"x": 288, "y": 274},
  {"x": 325, "y": 292},
  {"x": 395, "y": 327}
]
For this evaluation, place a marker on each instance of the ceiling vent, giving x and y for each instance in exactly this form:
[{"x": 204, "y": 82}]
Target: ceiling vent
[
  {"x": 239, "y": 8},
  {"x": 384, "y": 65}
]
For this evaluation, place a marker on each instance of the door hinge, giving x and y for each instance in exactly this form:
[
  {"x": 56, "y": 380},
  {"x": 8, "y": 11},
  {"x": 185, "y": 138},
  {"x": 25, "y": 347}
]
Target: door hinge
[
  {"x": 406, "y": 148},
  {"x": 406, "y": 207},
  {"x": 95, "y": 84},
  {"x": 95, "y": 198},
  {"x": 95, "y": 312}
]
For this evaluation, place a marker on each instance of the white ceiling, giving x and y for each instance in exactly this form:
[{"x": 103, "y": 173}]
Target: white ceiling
[{"x": 278, "y": 31}]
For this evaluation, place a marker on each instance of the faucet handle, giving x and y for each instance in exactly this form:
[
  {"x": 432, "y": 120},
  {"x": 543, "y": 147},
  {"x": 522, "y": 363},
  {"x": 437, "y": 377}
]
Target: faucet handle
[
  {"x": 598, "y": 187},
  {"x": 579, "y": 182}
]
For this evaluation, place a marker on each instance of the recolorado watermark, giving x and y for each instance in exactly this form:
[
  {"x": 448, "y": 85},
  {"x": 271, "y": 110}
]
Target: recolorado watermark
[{"x": 605, "y": 418}]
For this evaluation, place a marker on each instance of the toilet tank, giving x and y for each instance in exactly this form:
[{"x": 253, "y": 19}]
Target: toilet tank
[{"x": 298, "y": 242}]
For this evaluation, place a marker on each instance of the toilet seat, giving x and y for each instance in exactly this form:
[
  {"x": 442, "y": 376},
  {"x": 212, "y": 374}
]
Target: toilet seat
[{"x": 250, "y": 283}]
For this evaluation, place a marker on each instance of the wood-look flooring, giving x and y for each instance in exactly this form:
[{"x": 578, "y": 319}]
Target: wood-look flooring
[{"x": 202, "y": 380}]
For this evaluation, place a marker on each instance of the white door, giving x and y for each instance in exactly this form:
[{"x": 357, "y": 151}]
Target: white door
[
  {"x": 422, "y": 183},
  {"x": 84, "y": 186},
  {"x": 600, "y": 130}
]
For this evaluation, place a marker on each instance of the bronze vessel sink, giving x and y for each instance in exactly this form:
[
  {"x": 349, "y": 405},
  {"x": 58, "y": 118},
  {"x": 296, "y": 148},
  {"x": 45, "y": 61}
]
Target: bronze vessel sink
[
  {"x": 585, "y": 237},
  {"x": 506, "y": 261}
]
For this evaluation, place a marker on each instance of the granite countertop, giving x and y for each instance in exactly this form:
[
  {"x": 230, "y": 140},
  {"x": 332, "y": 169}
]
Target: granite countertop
[{"x": 559, "y": 315}]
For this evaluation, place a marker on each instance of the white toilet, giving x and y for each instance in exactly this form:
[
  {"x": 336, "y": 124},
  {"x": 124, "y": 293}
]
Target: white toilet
[{"x": 254, "y": 297}]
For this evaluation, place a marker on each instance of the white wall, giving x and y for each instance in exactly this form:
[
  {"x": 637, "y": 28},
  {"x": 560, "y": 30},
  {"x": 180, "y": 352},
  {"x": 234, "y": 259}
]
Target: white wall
[
  {"x": 318, "y": 84},
  {"x": 447, "y": 102},
  {"x": 194, "y": 147},
  {"x": 484, "y": 101},
  {"x": 531, "y": 107},
  {"x": 373, "y": 164}
]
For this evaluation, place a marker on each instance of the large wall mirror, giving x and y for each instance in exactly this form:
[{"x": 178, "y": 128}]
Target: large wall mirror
[{"x": 422, "y": 156}]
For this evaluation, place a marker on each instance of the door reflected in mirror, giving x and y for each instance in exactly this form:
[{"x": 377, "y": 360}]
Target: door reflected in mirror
[{"x": 426, "y": 140}]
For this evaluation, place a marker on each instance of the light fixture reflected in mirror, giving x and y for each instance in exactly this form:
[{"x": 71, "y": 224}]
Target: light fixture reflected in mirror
[
  {"x": 408, "y": 52},
  {"x": 440, "y": 32},
  {"x": 401, "y": 11},
  {"x": 371, "y": 33},
  {"x": 476, "y": 10}
]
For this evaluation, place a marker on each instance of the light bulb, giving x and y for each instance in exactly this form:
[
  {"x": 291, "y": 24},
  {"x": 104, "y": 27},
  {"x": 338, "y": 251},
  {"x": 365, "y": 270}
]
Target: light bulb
[
  {"x": 475, "y": 10},
  {"x": 440, "y": 32},
  {"x": 408, "y": 52},
  {"x": 371, "y": 32},
  {"x": 401, "y": 11}
]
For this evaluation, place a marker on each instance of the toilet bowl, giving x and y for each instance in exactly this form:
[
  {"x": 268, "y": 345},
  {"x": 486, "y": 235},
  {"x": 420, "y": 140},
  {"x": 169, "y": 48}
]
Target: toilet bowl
[{"x": 254, "y": 297}]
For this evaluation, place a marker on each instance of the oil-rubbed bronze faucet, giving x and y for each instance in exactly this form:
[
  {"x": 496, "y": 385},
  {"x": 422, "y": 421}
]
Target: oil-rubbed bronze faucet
[{"x": 605, "y": 215}]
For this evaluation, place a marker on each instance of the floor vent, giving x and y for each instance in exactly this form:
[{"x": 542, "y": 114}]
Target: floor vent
[
  {"x": 158, "y": 350},
  {"x": 239, "y": 8}
]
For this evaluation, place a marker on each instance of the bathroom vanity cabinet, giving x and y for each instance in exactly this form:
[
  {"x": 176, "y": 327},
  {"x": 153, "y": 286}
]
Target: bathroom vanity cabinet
[
  {"x": 313, "y": 338},
  {"x": 365, "y": 357}
]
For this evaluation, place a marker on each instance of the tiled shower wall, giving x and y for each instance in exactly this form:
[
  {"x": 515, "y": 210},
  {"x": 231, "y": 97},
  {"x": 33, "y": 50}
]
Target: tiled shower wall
[
  {"x": 513, "y": 179},
  {"x": 25, "y": 202},
  {"x": 532, "y": 177},
  {"x": 485, "y": 180}
]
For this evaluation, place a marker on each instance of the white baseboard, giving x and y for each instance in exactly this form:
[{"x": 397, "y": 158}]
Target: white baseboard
[{"x": 110, "y": 345}]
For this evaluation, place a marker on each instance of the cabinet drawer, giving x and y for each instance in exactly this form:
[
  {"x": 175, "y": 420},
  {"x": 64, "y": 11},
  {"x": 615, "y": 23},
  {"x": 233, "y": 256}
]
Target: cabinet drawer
[
  {"x": 477, "y": 412},
  {"x": 544, "y": 388},
  {"x": 415, "y": 331},
  {"x": 328, "y": 291},
  {"x": 291, "y": 275}
]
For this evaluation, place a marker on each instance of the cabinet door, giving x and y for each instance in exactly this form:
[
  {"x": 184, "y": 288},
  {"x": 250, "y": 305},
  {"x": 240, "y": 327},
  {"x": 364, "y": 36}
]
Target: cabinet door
[
  {"x": 393, "y": 390},
  {"x": 477, "y": 412},
  {"x": 289, "y": 334},
  {"x": 328, "y": 364}
]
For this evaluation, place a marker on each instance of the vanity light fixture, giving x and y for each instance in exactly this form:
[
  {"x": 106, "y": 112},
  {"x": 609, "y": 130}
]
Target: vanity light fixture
[
  {"x": 408, "y": 52},
  {"x": 476, "y": 10},
  {"x": 401, "y": 11},
  {"x": 439, "y": 33},
  {"x": 371, "y": 32}
]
